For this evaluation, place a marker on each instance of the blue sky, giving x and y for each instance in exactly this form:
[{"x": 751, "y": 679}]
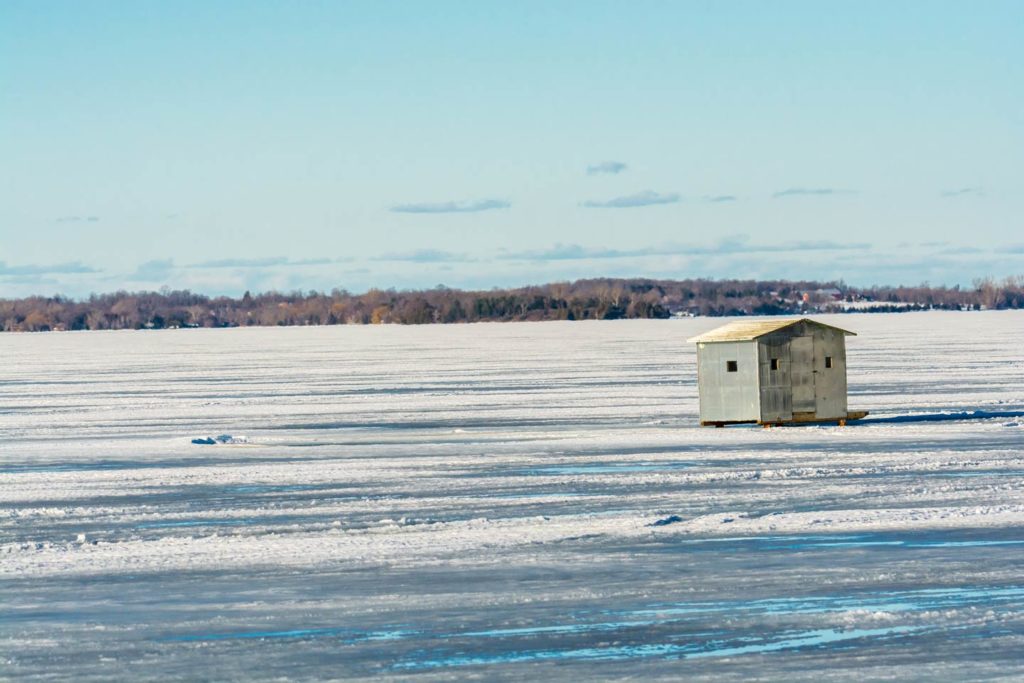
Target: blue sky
[{"x": 225, "y": 146}]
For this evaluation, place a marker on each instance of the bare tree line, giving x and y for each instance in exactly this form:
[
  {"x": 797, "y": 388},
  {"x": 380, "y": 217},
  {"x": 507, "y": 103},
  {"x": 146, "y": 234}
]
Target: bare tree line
[{"x": 593, "y": 299}]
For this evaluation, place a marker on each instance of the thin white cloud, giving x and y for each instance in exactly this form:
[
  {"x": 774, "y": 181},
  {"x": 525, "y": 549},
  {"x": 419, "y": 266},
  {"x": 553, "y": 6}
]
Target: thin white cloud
[
  {"x": 153, "y": 271},
  {"x": 78, "y": 219},
  {"x": 809, "y": 192},
  {"x": 474, "y": 206},
  {"x": 425, "y": 256},
  {"x": 66, "y": 268},
  {"x": 260, "y": 262},
  {"x": 645, "y": 198},
  {"x": 736, "y": 244},
  {"x": 609, "y": 167},
  {"x": 962, "y": 192}
]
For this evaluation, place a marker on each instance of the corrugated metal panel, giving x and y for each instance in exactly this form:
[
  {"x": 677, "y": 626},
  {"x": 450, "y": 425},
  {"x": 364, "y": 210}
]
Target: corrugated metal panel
[
  {"x": 829, "y": 382},
  {"x": 801, "y": 350},
  {"x": 747, "y": 330},
  {"x": 776, "y": 386}
]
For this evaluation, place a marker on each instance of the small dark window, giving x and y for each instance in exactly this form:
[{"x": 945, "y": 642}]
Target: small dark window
[
  {"x": 775, "y": 363},
  {"x": 828, "y": 361},
  {"x": 731, "y": 366}
]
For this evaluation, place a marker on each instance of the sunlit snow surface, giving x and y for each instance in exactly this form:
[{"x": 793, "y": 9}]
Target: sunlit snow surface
[{"x": 505, "y": 501}]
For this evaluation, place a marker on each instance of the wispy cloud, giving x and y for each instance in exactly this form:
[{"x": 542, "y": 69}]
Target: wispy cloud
[
  {"x": 425, "y": 256},
  {"x": 962, "y": 192},
  {"x": 962, "y": 250},
  {"x": 152, "y": 271},
  {"x": 570, "y": 252},
  {"x": 735, "y": 244},
  {"x": 720, "y": 198},
  {"x": 646, "y": 198},
  {"x": 67, "y": 268},
  {"x": 809, "y": 192},
  {"x": 452, "y": 207},
  {"x": 260, "y": 262},
  {"x": 78, "y": 219},
  {"x": 741, "y": 244},
  {"x": 613, "y": 167}
]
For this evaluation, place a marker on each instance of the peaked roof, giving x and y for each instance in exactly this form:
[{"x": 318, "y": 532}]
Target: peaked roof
[{"x": 747, "y": 330}]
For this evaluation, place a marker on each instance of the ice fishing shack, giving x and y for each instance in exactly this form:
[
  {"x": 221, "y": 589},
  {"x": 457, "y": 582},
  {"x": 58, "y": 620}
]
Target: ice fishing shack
[{"x": 773, "y": 372}]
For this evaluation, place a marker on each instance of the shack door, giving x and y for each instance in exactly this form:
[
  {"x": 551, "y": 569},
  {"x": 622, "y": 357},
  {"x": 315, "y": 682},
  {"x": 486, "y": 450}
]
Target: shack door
[{"x": 801, "y": 370}]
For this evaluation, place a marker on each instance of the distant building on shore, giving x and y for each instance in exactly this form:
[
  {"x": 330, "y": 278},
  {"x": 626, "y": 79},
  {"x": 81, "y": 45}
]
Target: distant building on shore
[{"x": 773, "y": 372}]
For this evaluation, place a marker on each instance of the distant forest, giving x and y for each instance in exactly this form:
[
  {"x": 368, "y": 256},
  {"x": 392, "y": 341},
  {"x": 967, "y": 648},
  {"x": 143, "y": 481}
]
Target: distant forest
[{"x": 596, "y": 299}]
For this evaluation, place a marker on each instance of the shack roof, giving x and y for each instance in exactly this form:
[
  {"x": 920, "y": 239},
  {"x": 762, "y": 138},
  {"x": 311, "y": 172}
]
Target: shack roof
[{"x": 748, "y": 330}]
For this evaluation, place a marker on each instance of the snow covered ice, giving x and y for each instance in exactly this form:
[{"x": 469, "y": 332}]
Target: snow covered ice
[{"x": 507, "y": 501}]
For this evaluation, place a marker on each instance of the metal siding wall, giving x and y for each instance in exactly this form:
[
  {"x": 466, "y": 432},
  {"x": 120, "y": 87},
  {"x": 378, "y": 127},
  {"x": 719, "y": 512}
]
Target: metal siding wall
[
  {"x": 776, "y": 393},
  {"x": 728, "y": 396},
  {"x": 801, "y": 351},
  {"x": 830, "y": 383}
]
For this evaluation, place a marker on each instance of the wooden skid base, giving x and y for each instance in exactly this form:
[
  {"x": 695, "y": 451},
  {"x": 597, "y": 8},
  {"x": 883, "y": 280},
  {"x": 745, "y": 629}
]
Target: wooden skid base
[{"x": 798, "y": 419}]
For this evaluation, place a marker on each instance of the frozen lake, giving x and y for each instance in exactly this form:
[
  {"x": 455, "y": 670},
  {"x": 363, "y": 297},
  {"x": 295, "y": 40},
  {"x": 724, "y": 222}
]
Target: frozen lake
[{"x": 505, "y": 501}]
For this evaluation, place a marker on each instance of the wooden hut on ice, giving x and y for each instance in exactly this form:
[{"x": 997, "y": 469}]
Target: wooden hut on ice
[{"x": 773, "y": 372}]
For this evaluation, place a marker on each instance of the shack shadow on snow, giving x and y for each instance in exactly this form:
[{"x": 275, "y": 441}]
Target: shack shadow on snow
[
  {"x": 942, "y": 417},
  {"x": 899, "y": 419}
]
